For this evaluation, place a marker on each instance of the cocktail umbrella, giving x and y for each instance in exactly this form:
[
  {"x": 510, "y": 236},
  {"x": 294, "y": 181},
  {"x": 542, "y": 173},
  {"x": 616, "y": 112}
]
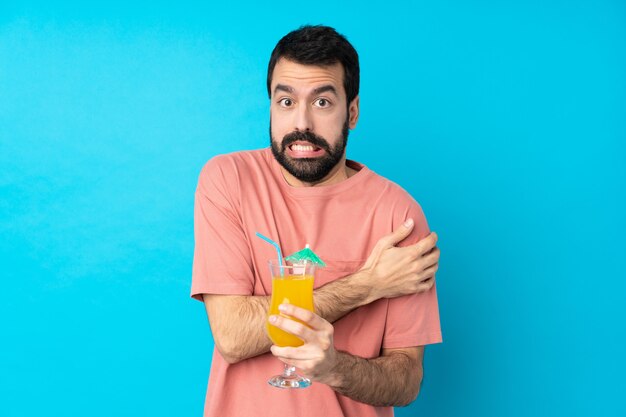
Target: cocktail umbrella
[{"x": 305, "y": 255}]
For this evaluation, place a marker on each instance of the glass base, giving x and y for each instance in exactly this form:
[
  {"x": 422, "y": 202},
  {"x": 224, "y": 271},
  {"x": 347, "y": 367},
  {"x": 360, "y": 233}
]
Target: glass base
[{"x": 291, "y": 381}]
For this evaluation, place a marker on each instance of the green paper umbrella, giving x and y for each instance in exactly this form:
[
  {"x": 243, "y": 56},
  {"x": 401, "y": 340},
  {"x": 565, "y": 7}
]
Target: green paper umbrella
[{"x": 305, "y": 255}]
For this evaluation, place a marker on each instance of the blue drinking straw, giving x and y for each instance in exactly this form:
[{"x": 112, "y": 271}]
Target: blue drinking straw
[{"x": 268, "y": 240}]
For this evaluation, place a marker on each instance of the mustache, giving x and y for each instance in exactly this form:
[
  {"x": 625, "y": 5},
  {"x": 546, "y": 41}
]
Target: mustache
[{"x": 307, "y": 136}]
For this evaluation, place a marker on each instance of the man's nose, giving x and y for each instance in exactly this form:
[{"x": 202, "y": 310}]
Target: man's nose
[{"x": 303, "y": 120}]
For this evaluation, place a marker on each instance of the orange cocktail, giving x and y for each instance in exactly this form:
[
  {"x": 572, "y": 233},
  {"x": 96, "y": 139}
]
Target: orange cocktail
[
  {"x": 289, "y": 289},
  {"x": 291, "y": 284}
]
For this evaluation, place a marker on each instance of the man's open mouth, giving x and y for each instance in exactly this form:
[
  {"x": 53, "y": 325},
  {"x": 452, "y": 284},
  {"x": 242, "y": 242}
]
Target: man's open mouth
[{"x": 303, "y": 149}]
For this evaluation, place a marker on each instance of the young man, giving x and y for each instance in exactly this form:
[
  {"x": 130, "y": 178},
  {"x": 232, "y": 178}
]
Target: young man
[{"x": 375, "y": 302}]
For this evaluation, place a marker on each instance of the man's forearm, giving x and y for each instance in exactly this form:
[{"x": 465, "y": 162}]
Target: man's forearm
[
  {"x": 336, "y": 299},
  {"x": 238, "y": 325},
  {"x": 392, "y": 380}
]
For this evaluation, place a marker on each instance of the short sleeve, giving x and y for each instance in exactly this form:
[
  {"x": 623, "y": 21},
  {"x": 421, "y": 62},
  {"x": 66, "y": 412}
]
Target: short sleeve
[
  {"x": 412, "y": 320},
  {"x": 222, "y": 262}
]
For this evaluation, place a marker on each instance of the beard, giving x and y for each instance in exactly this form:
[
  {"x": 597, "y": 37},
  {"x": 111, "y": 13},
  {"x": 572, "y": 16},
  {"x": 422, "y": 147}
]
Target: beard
[{"x": 310, "y": 170}]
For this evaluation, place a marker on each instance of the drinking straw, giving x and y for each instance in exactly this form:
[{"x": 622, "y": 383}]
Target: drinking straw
[{"x": 268, "y": 240}]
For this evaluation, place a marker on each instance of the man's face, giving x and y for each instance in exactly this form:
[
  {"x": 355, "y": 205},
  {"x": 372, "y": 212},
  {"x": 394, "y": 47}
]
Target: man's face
[{"x": 309, "y": 119}]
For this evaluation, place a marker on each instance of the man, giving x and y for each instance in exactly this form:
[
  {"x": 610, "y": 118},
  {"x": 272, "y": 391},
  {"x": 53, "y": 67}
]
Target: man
[{"x": 375, "y": 302}]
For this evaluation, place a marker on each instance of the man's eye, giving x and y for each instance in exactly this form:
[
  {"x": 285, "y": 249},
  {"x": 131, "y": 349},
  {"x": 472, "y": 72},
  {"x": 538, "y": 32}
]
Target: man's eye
[
  {"x": 285, "y": 102},
  {"x": 322, "y": 102}
]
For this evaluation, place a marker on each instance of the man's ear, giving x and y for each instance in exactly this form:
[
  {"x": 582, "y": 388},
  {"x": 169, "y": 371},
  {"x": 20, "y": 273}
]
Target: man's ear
[{"x": 353, "y": 110}]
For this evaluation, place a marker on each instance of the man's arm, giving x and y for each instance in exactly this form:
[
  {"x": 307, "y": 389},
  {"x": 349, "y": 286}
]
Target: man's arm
[
  {"x": 238, "y": 322},
  {"x": 392, "y": 379}
]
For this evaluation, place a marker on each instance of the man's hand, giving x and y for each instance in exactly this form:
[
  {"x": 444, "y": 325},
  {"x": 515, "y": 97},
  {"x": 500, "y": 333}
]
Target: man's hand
[
  {"x": 317, "y": 357},
  {"x": 393, "y": 271},
  {"x": 392, "y": 379}
]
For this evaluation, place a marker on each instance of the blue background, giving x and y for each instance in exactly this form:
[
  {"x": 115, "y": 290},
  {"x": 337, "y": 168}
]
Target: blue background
[{"x": 505, "y": 120}]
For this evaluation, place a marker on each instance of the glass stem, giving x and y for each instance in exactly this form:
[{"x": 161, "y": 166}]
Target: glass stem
[{"x": 289, "y": 370}]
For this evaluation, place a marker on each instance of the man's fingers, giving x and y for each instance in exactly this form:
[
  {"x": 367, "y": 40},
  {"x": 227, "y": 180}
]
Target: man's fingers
[
  {"x": 297, "y": 363},
  {"x": 293, "y": 327},
  {"x": 293, "y": 353},
  {"x": 426, "y": 244},
  {"x": 428, "y": 273},
  {"x": 426, "y": 285},
  {"x": 306, "y": 316},
  {"x": 431, "y": 258},
  {"x": 398, "y": 235},
  {"x": 284, "y": 352}
]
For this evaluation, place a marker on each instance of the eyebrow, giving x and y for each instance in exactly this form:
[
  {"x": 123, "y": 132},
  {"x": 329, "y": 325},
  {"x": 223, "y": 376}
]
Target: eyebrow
[
  {"x": 325, "y": 88},
  {"x": 282, "y": 87},
  {"x": 318, "y": 90}
]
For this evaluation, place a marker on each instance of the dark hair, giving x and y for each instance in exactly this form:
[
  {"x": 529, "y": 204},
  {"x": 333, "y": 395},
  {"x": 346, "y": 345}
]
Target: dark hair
[{"x": 318, "y": 45}]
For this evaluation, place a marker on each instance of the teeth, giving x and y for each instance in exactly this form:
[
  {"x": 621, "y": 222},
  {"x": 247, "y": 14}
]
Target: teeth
[{"x": 302, "y": 148}]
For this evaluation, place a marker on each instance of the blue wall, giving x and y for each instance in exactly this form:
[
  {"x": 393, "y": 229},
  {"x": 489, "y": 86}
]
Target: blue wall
[{"x": 506, "y": 120}]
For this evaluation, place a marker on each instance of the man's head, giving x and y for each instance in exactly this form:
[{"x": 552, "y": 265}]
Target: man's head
[{"x": 313, "y": 85}]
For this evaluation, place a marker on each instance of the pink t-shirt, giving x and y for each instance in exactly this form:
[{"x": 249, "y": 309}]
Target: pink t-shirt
[{"x": 243, "y": 193}]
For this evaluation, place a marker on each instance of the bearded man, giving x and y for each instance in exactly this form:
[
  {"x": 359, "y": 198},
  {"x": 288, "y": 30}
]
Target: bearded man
[{"x": 375, "y": 301}]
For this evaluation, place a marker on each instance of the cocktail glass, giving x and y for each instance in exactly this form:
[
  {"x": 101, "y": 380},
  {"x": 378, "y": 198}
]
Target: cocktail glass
[{"x": 291, "y": 284}]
